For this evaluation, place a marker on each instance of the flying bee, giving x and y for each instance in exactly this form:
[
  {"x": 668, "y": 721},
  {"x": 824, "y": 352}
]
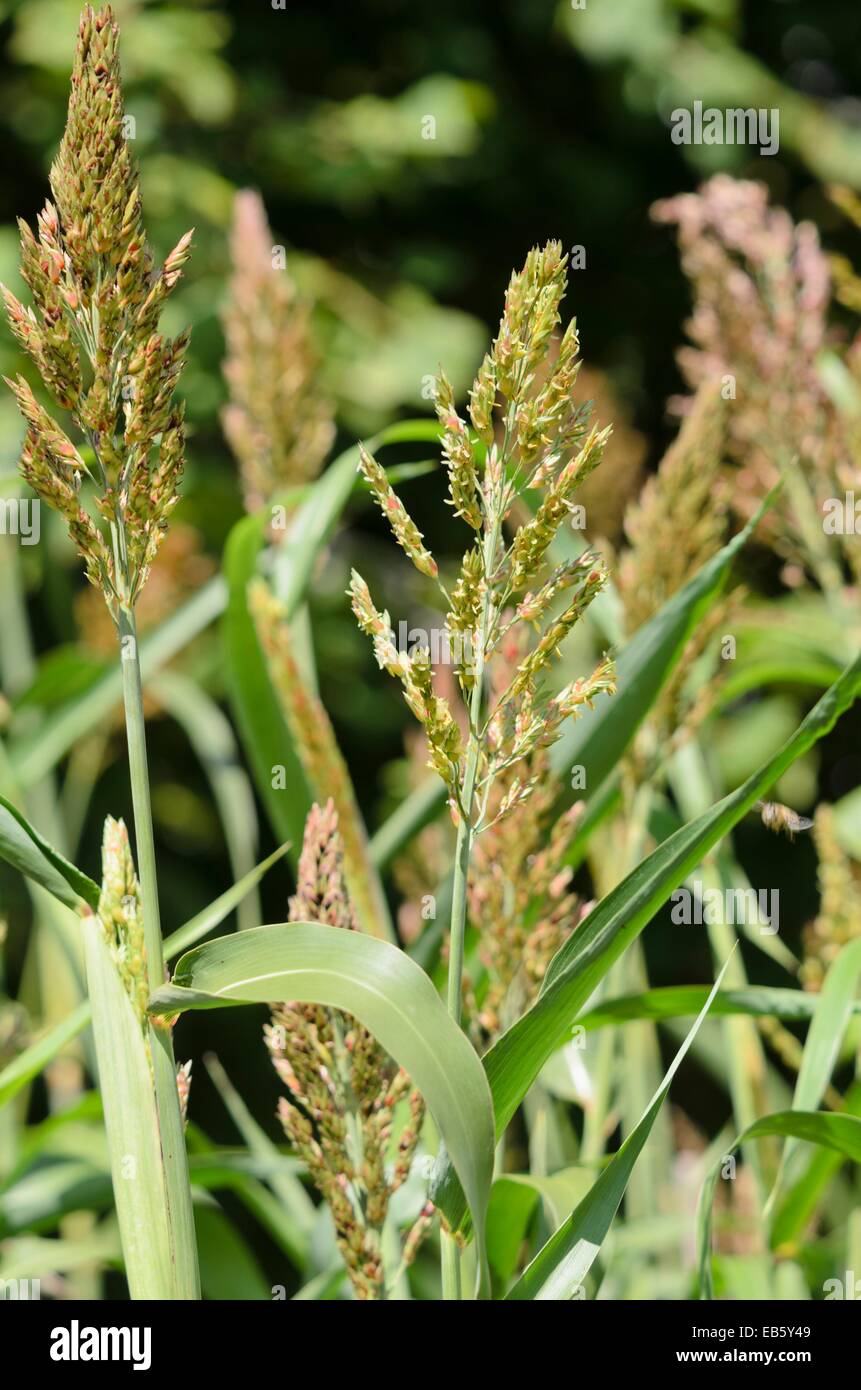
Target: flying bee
[{"x": 777, "y": 817}]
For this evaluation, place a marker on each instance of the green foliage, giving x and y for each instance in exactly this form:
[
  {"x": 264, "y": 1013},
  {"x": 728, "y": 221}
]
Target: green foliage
[{"x": 405, "y": 174}]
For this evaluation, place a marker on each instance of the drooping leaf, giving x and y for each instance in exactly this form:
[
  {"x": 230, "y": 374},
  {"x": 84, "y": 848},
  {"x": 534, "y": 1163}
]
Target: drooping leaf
[
  {"x": 379, "y": 985},
  {"x": 840, "y": 1133}
]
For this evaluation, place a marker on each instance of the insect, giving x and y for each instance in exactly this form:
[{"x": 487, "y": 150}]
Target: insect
[{"x": 777, "y": 817}]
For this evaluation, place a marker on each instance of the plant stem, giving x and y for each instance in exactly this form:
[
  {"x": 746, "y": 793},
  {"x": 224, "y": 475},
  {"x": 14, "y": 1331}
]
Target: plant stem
[
  {"x": 139, "y": 776},
  {"x": 171, "y": 1132},
  {"x": 451, "y": 1283},
  {"x": 466, "y": 829}
]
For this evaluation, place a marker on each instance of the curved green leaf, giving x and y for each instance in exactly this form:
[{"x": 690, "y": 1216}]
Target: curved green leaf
[
  {"x": 798, "y": 1205},
  {"x": 840, "y": 1133},
  {"x": 23, "y": 848},
  {"x": 379, "y": 985}
]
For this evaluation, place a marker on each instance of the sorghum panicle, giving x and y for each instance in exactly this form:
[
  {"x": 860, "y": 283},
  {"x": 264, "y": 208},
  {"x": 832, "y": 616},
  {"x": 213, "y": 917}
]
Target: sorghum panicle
[
  {"x": 278, "y": 422},
  {"x": 527, "y": 436},
  {"x": 93, "y": 335},
  {"x": 343, "y": 1089},
  {"x": 762, "y": 291}
]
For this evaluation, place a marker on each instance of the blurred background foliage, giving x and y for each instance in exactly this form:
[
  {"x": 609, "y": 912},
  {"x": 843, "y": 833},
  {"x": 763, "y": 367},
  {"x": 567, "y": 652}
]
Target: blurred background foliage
[{"x": 409, "y": 152}]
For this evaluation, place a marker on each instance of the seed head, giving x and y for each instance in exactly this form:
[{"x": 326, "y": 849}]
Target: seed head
[
  {"x": 97, "y": 298},
  {"x": 278, "y": 421}
]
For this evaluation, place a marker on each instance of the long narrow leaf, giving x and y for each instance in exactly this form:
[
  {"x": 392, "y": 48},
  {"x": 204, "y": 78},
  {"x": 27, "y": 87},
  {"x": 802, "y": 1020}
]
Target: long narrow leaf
[
  {"x": 836, "y": 999},
  {"x": 515, "y": 1060},
  {"x": 563, "y": 1263},
  {"x": 683, "y": 1001},
  {"x": 138, "y": 1159},
  {"x": 33, "y": 755},
  {"x": 598, "y": 738}
]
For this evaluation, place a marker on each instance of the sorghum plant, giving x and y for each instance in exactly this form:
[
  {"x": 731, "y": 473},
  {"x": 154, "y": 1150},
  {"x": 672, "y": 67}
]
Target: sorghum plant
[
  {"x": 548, "y": 1047},
  {"x": 546, "y": 447},
  {"x": 93, "y": 335}
]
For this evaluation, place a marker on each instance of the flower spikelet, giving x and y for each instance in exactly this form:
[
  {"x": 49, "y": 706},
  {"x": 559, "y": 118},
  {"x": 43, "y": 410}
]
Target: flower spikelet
[
  {"x": 121, "y": 914},
  {"x": 404, "y": 529}
]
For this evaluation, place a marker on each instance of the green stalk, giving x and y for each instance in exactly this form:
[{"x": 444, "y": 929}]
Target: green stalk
[
  {"x": 451, "y": 1282},
  {"x": 174, "y": 1161}
]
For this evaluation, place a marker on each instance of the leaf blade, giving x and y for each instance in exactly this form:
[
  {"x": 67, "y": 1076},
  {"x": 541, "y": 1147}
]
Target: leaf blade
[
  {"x": 385, "y": 990},
  {"x": 23, "y": 847}
]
